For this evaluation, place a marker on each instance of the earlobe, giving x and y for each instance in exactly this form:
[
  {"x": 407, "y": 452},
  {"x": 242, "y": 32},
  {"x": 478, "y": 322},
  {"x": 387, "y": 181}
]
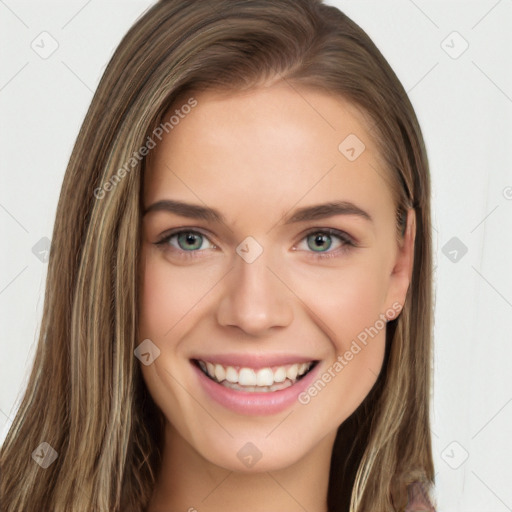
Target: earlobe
[
  {"x": 405, "y": 255},
  {"x": 409, "y": 240},
  {"x": 401, "y": 274}
]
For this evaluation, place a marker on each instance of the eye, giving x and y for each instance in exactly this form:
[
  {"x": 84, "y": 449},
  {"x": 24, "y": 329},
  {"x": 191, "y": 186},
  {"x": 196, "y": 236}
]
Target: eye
[
  {"x": 185, "y": 241},
  {"x": 320, "y": 241}
]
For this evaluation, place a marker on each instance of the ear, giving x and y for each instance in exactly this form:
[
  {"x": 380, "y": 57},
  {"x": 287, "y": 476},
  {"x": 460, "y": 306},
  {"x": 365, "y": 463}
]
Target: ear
[{"x": 401, "y": 274}]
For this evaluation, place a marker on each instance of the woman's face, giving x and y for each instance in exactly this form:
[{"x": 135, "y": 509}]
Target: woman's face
[{"x": 269, "y": 247}]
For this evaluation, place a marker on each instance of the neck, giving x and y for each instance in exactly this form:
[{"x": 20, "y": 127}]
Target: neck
[{"x": 187, "y": 482}]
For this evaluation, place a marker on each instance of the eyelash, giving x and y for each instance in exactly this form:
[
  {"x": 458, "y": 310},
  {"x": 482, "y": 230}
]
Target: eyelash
[{"x": 347, "y": 242}]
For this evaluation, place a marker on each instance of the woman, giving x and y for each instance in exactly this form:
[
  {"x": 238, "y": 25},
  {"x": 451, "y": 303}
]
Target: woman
[{"x": 238, "y": 307}]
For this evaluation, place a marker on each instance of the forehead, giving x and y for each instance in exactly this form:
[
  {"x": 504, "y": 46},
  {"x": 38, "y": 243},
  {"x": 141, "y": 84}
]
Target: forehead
[{"x": 270, "y": 145}]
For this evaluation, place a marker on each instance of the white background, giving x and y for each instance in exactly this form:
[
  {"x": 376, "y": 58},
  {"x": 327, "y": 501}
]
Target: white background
[{"x": 464, "y": 105}]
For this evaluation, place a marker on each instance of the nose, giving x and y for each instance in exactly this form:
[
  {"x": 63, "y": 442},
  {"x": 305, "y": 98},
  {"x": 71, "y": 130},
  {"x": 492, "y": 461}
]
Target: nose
[{"x": 255, "y": 299}]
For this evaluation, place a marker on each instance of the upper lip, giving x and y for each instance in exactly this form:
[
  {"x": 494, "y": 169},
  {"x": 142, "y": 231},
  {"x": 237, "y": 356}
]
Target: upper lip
[{"x": 254, "y": 360}]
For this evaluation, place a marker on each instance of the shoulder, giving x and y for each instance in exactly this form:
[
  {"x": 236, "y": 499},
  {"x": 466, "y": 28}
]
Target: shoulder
[{"x": 418, "y": 500}]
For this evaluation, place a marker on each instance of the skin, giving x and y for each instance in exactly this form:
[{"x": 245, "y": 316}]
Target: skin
[{"x": 256, "y": 156}]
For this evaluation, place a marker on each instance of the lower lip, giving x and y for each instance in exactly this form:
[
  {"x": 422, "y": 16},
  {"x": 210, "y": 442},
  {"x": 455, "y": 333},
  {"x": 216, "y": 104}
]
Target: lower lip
[{"x": 244, "y": 402}]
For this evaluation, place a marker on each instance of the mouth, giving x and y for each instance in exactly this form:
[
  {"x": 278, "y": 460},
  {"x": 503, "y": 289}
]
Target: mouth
[{"x": 255, "y": 380}]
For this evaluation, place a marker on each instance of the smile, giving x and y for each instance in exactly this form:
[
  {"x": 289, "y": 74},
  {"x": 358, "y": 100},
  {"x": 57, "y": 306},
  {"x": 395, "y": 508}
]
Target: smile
[
  {"x": 254, "y": 384},
  {"x": 255, "y": 380}
]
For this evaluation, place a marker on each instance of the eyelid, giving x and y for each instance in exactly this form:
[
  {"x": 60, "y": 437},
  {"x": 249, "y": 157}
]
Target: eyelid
[
  {"x": 176, "y": 231},
  {"x": 343, "y": 235}
]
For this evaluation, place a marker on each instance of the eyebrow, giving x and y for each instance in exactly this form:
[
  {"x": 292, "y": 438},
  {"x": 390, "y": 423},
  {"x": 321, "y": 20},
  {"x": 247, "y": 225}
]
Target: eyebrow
[
  {"x": 192, "y": 211},
  {"x": 322, "y": 211},
  {"x": 306, "y": 213}
]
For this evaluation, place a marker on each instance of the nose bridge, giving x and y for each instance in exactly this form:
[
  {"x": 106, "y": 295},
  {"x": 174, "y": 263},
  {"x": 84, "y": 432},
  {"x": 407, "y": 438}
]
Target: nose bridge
[{"x": 254, "y": 298}]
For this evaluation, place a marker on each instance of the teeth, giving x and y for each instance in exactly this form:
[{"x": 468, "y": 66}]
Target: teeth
[
  {"x": 231, "y": 374},
  {"x": 220, "y": 373},
  {"x": 267, "y": 379},
  {"x": 259, "y": 389},
  {"x": 292, "y": 372},
  {"x": 246, "y": 377},
  {"x": 280, "y": 374},
  {"x": 264, "y": 377}
]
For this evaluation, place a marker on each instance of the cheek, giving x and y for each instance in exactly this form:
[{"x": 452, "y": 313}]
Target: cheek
[
  {"x": 169, "y": 296},
  {"x": 349, "y": 308},
  {"x": 347, "y": 300},
  {"x": 166, "y": 314},
  {"x": 158, "y": 302},
  {"x": 349, "y": 305}
]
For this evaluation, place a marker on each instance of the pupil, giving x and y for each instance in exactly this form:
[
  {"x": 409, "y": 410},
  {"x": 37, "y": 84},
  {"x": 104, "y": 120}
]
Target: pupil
[
  {"x": 322, "y": 242},
  {"x": 190, "y": 239}
]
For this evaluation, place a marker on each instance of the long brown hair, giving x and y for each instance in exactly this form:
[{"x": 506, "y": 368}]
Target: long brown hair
[{"x": 98, "y": 415}]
